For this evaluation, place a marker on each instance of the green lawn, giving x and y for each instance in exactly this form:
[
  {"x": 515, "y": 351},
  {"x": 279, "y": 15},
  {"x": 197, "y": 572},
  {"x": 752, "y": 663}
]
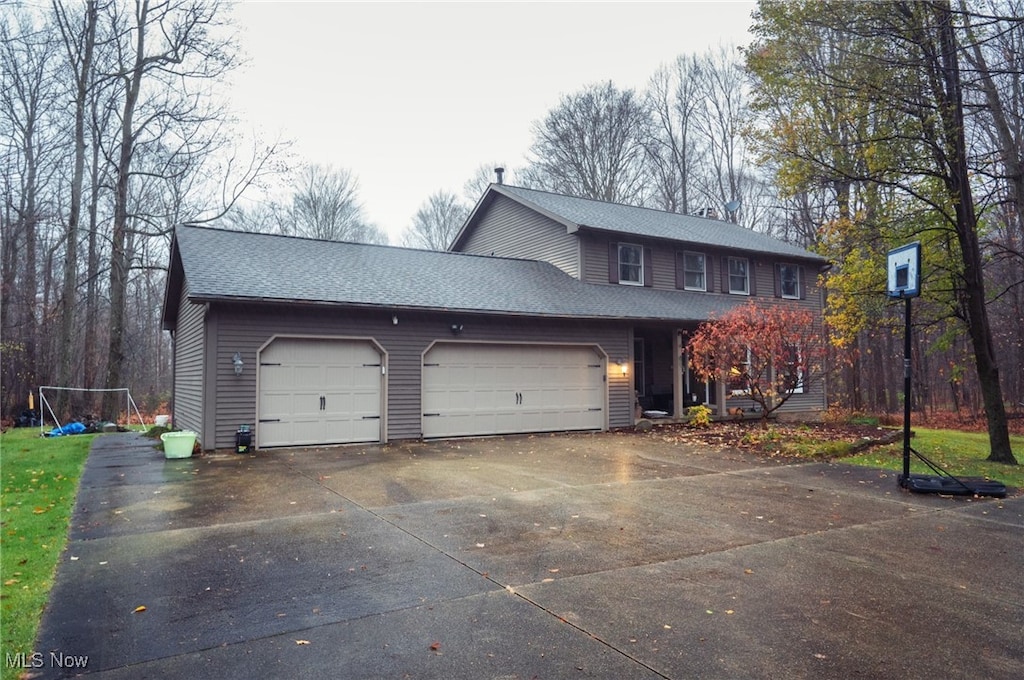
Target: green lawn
[
  {"x": 39, "y": 483},
  {"x": 960, "y": 453}
]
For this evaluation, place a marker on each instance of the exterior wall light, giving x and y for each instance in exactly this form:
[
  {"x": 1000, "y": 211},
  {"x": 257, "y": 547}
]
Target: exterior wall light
[
  {"x": 624, "y": 366},
  {"x": 237, "y": 363},
  {"x": 456, "y": 328}
]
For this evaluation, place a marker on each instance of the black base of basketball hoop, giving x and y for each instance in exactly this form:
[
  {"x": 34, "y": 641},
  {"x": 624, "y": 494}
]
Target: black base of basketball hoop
[{"x": 945, "y": 484}]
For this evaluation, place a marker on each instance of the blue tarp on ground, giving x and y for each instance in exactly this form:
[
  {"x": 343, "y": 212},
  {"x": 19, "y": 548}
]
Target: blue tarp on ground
[{"x": 70, "y": 428}]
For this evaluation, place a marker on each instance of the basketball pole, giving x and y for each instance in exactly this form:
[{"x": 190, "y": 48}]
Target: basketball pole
[{"x": 906, "y": 395}]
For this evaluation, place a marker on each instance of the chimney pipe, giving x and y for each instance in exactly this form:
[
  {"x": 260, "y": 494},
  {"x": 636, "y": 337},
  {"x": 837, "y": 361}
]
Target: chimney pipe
[{"x": 500, "y": 172}]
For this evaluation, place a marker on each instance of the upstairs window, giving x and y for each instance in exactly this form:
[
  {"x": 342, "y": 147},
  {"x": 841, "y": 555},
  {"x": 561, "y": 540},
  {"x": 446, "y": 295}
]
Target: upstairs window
[
  {"x": 694, "y": 271},
  {"x": 631, "y": 264},
  {"x": 789, "y": 281},
  {"x": 739, "y": 276}
]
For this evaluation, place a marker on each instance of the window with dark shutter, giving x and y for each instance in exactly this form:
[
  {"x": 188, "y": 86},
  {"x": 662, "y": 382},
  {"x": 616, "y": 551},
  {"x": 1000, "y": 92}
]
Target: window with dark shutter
[
  {"x": 737, "y": 275},
  {"x": 694, "y": 272},
  {"x": 787, "y": 281},
  {"x": 631, "y": 259}
]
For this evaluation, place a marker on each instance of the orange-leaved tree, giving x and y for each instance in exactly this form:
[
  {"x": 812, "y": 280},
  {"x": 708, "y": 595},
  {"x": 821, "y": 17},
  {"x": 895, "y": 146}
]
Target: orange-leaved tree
[{"x": 765, "y": 352}]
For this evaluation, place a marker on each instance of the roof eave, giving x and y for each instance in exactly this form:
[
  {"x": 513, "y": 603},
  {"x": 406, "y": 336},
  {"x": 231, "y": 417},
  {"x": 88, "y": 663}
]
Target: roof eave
[
  {"x": 203, "y": 299},
  {"x": 811, "y": 257}
]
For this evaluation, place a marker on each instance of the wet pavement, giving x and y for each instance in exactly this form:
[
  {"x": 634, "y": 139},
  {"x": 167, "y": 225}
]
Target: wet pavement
[{"x": 613, "y": 555}]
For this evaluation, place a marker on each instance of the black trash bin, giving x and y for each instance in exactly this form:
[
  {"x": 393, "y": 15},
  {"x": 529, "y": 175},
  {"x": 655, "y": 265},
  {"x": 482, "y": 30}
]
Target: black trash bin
[{"x": 243, "y": 439}]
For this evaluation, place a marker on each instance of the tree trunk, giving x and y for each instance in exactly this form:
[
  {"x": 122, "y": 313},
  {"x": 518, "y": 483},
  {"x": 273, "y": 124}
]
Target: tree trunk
[
  {"x": 82, "y": 63},
  {"x": 972, "y": 295},
  {"x": 118, "y": 252},
  {"x": 91, "y": 343}
]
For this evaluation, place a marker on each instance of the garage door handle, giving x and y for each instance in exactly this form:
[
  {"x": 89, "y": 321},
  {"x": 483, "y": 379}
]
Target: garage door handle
[
  {"x": 595, "y": 409},
  {"x": 371, "y": 417},
  {"x": 323, "y": 403},
  {"x": 270, "y": 420},
  {"x": 429, "y": 415}
]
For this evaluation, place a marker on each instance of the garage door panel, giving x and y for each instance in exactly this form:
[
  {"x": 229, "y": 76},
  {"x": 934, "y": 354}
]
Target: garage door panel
[
  {"x": 319, "y": 391},
  {"x": 307, "y": 375},
  {"x": 499, "y": 389}
]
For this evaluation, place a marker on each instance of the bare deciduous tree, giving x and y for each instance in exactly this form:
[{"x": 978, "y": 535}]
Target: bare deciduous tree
[
  {"x": 725, "y": 174},
  {"x": 79, "y": 44},
  {"x": 161, "y": 56},
  {"x": 674, "y": 151},
  {"x": 436, "y": 222},
  {"x": 326, "y": 205},
  {"x": 109, "y": 135},
  {"x": 592, "y": 145},
  {"x": 28, "y": 100}
]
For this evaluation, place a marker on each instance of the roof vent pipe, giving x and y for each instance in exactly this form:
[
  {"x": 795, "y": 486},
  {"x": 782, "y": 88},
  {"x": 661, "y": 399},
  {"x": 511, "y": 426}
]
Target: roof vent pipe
[{"x": 500, "y": 172}]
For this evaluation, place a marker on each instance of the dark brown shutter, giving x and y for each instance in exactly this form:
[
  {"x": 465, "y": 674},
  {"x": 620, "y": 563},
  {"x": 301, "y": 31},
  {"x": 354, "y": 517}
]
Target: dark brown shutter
[
  {"x": 613, "y": 262},
  {"x": 680, "y": 271},
  {"x": 709, "y": 275},
  {"x": 802, "y": 282},
  {"x": 751, "y": 276},
  {"x": 778, "y": 280},
  {"x": 725, "y": 273},
  {"x": 648, "y": 267}
]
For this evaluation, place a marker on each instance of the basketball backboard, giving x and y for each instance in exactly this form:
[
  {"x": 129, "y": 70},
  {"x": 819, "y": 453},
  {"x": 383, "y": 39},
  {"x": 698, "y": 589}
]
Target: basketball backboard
[{"x": 904, "y": 271}]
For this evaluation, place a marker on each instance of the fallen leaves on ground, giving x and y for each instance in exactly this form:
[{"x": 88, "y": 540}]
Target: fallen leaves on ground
[{"x": 766, "y": 438}]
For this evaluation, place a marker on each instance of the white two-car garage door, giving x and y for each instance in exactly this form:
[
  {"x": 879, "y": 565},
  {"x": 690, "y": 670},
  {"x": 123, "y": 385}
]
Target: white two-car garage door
[
  {"x": 319, "y": 391},
  {"x": 480, "y": 389}
]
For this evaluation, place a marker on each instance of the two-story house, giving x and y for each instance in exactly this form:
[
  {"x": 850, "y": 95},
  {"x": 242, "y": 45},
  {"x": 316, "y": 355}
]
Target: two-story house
[{"x": 548, "y": 313}]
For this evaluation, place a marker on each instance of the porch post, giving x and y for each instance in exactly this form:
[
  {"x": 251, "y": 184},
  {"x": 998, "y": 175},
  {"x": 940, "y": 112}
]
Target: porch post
[
  {"x": 720, "y": 389},
  {"x": 678, "y": 385}
]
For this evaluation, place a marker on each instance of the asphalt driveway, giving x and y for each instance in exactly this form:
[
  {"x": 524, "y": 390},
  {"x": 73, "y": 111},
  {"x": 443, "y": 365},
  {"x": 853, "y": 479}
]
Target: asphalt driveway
[{"x": 614, "y": 555}]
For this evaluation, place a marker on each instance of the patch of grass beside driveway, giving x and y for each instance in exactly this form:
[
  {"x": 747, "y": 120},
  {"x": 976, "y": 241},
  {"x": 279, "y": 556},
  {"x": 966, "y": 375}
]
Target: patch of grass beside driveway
[
  {"x": 37, "y": 496},
  {"x": 860, "y": 443},
  {"x": 960, "y": 453}
]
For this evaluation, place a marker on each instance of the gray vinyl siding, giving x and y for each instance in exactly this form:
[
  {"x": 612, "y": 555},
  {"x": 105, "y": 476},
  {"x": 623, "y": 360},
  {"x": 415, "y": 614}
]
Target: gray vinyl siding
[
  {"x": 664, "y": 263},
  {"x": 189, "y": 342},
  {"x": 594, "y": 253},
  {"x": 507, "y": 229},
  {"x": 246, "y": 328}
]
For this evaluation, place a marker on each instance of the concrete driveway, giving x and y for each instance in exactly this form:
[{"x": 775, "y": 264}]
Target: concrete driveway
[{"x": 614, "y": 555}]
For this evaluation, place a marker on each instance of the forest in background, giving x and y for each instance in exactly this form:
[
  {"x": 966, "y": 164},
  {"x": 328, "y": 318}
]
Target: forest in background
[{"x": 831, "y": 130}]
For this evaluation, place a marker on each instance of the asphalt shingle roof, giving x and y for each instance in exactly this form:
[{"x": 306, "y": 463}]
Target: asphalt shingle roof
[
  {"x": 232, "y": 265},
  {"x": 651, "y": 223}
]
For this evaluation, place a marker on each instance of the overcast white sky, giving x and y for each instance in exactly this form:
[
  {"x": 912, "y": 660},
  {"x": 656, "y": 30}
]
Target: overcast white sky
[{"x": 412, "y": 97}]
